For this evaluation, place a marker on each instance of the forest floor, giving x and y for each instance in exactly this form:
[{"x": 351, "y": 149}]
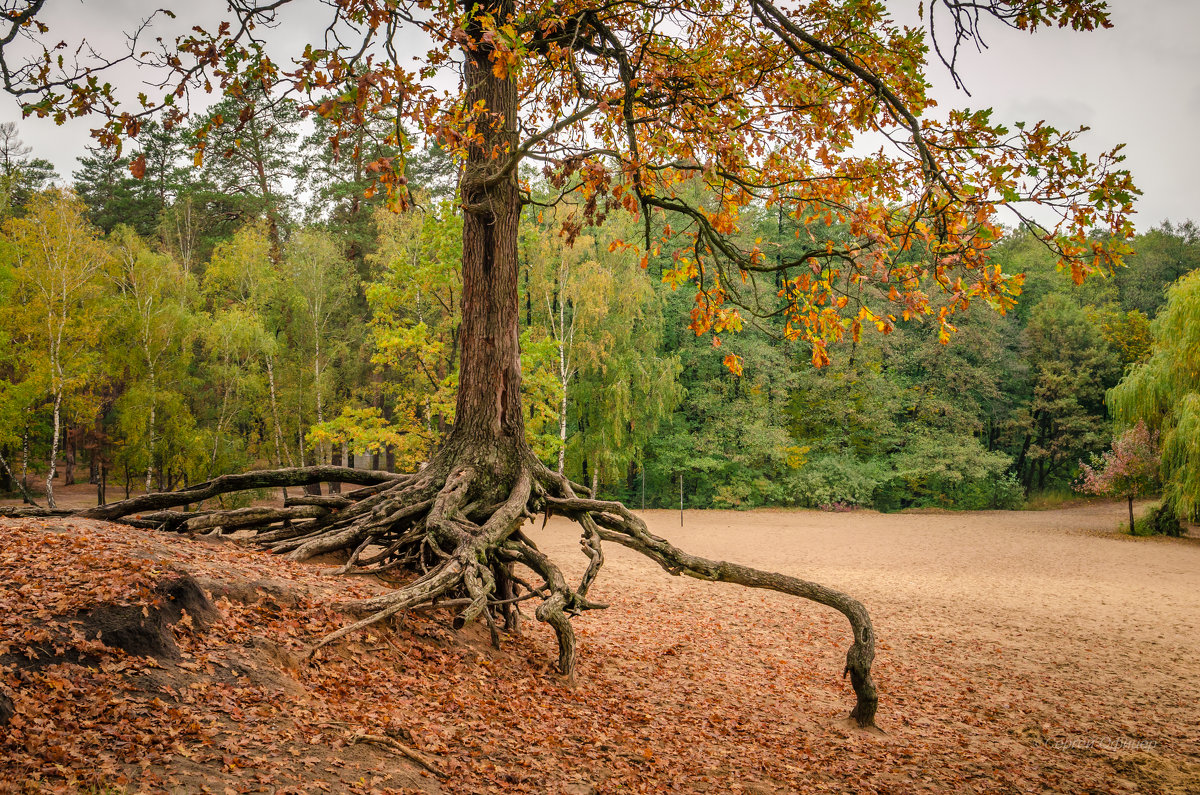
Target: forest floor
[{"x": 1018, "y": 652}]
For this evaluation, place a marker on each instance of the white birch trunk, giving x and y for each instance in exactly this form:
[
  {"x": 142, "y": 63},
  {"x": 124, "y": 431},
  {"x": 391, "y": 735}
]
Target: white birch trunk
[
  {"x": 300, "y": 431},
  {"x": 25, "y": 453},
  {"x": 564, "y": 378},
  {"x": 565, "y": 337},
  {"x": 322, "y": 449},
  {"x": 150, "y": 434},
  {"x": 280, "y": 447},
  {"x": 562, "y": 430},
  {"x": 56, "y": 383},
  {"x": 54, "y": 450}
]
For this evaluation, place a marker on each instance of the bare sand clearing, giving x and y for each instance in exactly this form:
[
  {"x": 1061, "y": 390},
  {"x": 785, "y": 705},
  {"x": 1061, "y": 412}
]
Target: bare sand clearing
[{"x": 1017, "y": 650}]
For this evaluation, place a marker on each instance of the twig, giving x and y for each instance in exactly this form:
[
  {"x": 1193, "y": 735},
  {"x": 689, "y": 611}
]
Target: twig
[{"x": 400, "y": 748}]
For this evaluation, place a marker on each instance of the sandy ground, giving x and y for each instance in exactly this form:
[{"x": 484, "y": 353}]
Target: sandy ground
[{"x": 1037, "y": 634}]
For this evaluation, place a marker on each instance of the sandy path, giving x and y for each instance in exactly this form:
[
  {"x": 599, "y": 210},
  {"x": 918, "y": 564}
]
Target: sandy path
[{"x": 1035, "y": 636}]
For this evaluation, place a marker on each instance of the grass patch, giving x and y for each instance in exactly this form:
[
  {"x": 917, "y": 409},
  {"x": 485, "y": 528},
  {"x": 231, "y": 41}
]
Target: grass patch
[{"x": 1054, "y": 498}]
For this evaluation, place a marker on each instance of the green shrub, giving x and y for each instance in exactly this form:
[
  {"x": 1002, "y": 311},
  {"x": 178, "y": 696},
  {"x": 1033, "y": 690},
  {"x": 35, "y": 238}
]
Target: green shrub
[
  {"x": 835, "y": 479},
  {"x": 1162, "y": 519},
  {"x": 942, "y": 471}
]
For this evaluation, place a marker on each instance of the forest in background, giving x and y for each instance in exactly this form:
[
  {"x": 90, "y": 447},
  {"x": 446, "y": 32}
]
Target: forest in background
[{"x": 163, "y": 323}]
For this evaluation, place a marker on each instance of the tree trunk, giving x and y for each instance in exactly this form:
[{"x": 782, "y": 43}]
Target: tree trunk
[
  {"x": 25, "y": 460},
  {"x": 562, "y": 430},
  {"x": 280, "y": 447},
  {"x": 96, "y": 448},
  {"x": 1131, "y": 527},
  {"x": 489, "y": 393},
  {"x": 309, "y": 488},
  {"x": 322, "y": 450},
  {"x": 566, "y": 339},
  {"x": 71, "y": 442},
  {"x": 337, "y": 456},
  {"x": 54, "y": 438},
  {"x": 150, "y": 427},
  {"x": 15, "y": 481},
  {"x": 1024, "y": 472}
]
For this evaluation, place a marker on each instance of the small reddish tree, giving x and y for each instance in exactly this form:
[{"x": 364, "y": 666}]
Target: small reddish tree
[{"x": 1129, "y": 469}]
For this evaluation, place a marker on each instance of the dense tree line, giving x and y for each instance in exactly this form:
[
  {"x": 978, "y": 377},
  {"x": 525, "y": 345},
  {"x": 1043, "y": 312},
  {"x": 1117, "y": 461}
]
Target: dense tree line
[{"x": 165, "y": 323}]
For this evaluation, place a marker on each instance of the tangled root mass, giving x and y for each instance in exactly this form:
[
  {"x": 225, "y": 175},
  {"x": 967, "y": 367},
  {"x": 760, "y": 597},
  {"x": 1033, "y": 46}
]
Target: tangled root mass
[{"x": 451, "y": 536}]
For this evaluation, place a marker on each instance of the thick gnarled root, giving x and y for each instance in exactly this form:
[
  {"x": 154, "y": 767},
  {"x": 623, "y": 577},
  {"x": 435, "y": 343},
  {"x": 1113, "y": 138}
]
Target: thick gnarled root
[
  {"x": 616, "y": 523},
  {"x": 456, "y": 527}
]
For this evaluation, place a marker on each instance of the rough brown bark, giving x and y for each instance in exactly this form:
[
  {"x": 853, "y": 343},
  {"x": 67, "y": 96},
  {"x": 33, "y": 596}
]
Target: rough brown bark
[
  {"x": 30, "y": 511},
  {"x": 489, "y": 392}
]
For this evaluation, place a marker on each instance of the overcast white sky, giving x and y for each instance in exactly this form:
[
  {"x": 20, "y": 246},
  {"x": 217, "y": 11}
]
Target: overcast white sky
[{"x": 1138, "y": 83}]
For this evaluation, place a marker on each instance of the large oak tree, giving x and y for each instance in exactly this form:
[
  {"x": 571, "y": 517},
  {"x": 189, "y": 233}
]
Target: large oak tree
[{"x": 813, "y": 108}]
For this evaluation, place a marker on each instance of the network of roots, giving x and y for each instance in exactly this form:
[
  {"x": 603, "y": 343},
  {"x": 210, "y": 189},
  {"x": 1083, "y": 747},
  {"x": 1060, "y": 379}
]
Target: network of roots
[{"x": 450, "y": 537}]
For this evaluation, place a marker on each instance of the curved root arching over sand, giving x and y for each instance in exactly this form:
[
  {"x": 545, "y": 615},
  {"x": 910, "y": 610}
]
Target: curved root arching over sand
[{"x": 456, "y": 526}]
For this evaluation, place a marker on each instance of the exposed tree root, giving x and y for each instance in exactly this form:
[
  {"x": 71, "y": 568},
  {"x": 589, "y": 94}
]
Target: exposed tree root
[
  {"x": 226, "y": 484},
  {"x": 456, "y": 526},
  {"x": 30, "y": 512}
]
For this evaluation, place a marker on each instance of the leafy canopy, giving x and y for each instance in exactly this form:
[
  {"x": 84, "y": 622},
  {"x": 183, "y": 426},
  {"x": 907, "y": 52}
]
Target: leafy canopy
[{"x": 767, "y": 104}]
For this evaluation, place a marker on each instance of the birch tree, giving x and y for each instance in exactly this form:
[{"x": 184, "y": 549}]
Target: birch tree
[
  {"x": 318, "y": 283},
  {"x": 151, "y": 287},
  {"x": 59, "y": 260}
]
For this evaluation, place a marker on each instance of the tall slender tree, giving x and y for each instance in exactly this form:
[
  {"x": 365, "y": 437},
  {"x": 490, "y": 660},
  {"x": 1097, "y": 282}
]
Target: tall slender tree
[
  {"x": 21, "y": 176},
  {"x": 151, "y": 289},
  {"x": 59, "y": 260},
  {"x": 318, "y": 286}
]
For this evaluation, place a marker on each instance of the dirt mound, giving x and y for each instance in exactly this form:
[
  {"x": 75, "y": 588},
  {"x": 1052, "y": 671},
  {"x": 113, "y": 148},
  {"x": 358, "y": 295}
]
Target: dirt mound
[
  {"x": 142, "y": 629},
  {"x": 146, "y": 631}
]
